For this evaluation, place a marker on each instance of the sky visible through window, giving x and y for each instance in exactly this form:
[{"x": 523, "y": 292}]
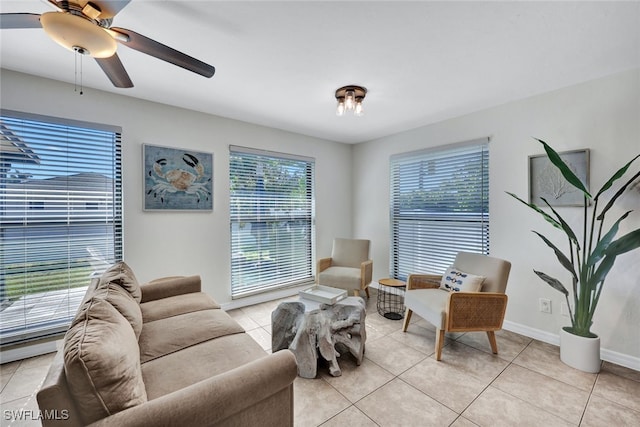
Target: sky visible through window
[{"x": 85, "y": 149}]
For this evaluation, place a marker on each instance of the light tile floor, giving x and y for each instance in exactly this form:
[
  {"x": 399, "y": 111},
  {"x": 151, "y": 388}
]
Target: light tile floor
[{"x": 400, "y": 384}]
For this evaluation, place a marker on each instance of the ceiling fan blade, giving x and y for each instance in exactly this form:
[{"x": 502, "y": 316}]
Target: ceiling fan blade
[
  {"x": 19, "y": 20},
  {"x": 160, "y": 51},
  {"x": 56, "y": 4},
  {"x": 114, "y": 69}
]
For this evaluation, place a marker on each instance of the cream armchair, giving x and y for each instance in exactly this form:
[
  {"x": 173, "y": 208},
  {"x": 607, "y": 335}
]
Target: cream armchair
[
  {"x": 461, "y": 311},
  {"x": 348, "y": 268}
]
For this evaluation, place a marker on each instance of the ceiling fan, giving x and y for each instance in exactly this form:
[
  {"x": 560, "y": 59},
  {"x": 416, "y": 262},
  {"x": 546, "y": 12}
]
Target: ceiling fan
[{"x": 85, "y": 27}]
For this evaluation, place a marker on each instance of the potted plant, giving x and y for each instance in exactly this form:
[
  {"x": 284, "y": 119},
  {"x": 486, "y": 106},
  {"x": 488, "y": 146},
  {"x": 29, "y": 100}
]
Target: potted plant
[{"x": 588, "y": 261}]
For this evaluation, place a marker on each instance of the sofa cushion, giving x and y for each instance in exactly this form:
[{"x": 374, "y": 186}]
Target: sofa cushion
[
  {"x": 165, "y": 336},
  {"x": 121, "y": 274},
  {"x": 124, "y": 303},
  {"x": 176, "y": 305},
  {"x": 430, "y": 304},
  {"x": 213, "y": 357},
  {"x": 341, "y": 277},
  {"x": 102, "y": 361},
  {"x": 120, "y": 288},
  {"x": 349, "y": 252}
]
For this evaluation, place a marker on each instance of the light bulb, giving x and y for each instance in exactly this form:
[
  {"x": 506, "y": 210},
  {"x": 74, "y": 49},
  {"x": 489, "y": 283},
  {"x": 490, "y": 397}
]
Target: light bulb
[
  {"x": 340, "y": 110},
  {"x": 349, "y": 100},
  {"x": 358, "y": 110}
]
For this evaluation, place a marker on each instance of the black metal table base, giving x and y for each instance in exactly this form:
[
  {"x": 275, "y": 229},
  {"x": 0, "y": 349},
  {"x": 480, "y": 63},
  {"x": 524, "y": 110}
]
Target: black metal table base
[{"x": 390, "y": 302}]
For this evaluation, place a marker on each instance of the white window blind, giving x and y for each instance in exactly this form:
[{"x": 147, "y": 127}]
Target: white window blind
[
  {"x": 61, "y": 219},
  {"x": 439, "y": 207},
  {"x": 272, "y": 220}
]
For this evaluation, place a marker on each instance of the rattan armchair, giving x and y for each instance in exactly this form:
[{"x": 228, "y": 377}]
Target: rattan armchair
[
  {"x": 349, "y": 266},
  {"x": 461, "y": 311}
]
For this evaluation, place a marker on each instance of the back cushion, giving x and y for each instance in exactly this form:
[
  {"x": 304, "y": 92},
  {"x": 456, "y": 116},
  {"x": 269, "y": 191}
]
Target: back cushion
[
  {"x": 495, "y": 270},
  {"x": 119, "y": 286},
  {"x": 349, "y": 252},
  {"x": 125, "y": 304},
  {"x": 121, "y": 274},
  {"x": 102, "y": 361}
]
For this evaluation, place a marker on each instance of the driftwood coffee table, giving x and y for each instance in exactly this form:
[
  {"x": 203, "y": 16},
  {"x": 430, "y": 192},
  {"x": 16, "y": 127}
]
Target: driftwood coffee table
[{"x": 309, "y": 328}]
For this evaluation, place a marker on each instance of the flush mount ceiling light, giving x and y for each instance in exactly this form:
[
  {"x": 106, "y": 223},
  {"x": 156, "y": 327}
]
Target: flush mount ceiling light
[{"x": 350, "y": 99}]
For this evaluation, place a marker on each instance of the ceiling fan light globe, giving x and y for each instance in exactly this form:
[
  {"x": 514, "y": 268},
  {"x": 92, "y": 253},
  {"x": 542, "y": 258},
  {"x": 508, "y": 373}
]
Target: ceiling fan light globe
[{"x": 71, "y": 32}]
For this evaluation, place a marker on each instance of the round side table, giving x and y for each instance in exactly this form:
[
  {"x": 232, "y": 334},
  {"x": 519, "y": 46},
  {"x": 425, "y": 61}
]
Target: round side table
[{"x": 390, "y": 302}]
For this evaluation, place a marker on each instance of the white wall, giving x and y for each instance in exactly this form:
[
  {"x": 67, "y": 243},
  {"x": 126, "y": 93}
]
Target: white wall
[
  {"x": 602, "y": 115},
  {"x": 184, "y": 243}
]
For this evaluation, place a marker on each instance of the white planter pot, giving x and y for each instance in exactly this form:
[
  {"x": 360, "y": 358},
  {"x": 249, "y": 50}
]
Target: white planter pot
[{"x": 580, "y": 352}]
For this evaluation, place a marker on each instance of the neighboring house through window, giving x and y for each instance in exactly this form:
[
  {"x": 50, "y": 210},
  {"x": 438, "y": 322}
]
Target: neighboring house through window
[
  {"x": 439, "y": 207},
  {"x": 272, "y": 220},
  {"x": 60, "y": 219}
]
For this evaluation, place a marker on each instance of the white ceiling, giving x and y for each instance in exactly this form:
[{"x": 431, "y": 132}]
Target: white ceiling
[{"x": 278, "y": 64}]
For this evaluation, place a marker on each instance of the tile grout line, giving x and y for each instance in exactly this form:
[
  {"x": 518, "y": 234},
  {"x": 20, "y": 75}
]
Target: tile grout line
[{"x": 494, "y": 379}]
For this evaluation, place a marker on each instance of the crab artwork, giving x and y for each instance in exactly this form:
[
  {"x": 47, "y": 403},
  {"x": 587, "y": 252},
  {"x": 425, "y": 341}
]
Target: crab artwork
[{"x": 177, "y": 181}]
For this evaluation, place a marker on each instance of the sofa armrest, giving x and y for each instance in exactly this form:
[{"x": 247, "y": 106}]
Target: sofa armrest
[
  {"x": 169, "y": 287},
  {"x": 323, "y": 264},
  {"x": 423, "y": 281},
  {"x": 366, "y": 273},
  {"x": 215, "y": 399},
  {"x": 479, "y": 311}
]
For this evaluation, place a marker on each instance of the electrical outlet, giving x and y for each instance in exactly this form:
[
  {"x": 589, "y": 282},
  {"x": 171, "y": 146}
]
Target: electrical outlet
[
  {"x": 564, "y": 309},
  {"x": 545, "y": 305}
]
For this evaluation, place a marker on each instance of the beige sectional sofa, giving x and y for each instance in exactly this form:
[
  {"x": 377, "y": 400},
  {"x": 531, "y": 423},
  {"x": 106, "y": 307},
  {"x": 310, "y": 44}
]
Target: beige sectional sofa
[{"x": 162, "y": 354}]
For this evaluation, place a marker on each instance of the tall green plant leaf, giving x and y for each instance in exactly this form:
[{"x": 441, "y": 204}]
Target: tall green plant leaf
[
  {"x": 567, "y": 229},
  {"x": 568, "y": 174},
  {"x": 601, "y": 272},
  {"x": 566, "y": 263},
  {"x": 615, "y": 197},
  {"x": 626, "y": 243},
  {"x": 546, "y": 216},
  {"x": 554, "y": 283},
  {"x": 616, "y": 176},
  {"x": 604, "y": 242}
]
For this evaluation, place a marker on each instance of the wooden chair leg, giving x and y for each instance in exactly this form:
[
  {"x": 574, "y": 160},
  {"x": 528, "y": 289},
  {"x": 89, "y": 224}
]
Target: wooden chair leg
[
  {"x": 439, "y": 343},
  {"x": 407, "y": 319},
  {"x": 367, "y": 292},
  {"x": 492, "y": 341}
]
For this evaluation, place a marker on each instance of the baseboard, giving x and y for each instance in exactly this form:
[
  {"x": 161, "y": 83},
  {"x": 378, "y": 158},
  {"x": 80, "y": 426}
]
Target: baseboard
[
  {"x": 265, "y": 297},
  {"x": 530, "y": 332},
  {"x": 621, "y": 359},
  {"x": 28, "y": 350}
]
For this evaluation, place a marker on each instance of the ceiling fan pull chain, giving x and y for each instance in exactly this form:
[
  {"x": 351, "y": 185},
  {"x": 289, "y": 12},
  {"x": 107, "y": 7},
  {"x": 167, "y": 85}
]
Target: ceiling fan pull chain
[
  {"x": 75, "y": 72},
  {"x": 75, "y": 82},
  {"x": 81, "y": 91}
]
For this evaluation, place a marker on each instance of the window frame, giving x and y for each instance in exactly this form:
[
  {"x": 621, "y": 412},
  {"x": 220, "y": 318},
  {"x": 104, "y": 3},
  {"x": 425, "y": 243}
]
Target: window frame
[
  {"x": 418, "y": 243},
  {"x": 51, "y": 186},
  {"x": 253, "y": 206}
]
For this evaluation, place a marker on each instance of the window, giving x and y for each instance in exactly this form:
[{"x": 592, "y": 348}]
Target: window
[
  {"x": 50, "y": 244},
  {"x": 272, "y": 220},
  {"x": 439, "y": 206}
]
